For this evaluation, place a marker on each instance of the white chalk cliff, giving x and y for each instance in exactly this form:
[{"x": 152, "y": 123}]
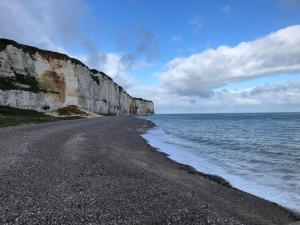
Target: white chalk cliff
[{"x": 31, "y": 78}]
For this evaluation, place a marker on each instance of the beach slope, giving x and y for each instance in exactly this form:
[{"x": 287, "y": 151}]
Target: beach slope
[{"x": 101, "y": 171}]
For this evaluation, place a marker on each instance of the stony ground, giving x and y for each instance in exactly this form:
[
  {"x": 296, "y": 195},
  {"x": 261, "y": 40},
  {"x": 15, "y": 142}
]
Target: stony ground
[{"x": 100, "y": 171}]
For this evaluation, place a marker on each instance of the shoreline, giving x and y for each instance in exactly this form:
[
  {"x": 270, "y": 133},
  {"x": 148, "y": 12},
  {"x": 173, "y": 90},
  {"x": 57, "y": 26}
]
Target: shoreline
[
  {"x": 190, "y": 169},
  {"x": 212, "y": 177},
  {"x": 101, "y": 171},
  {"x": 200, "y": 165}
]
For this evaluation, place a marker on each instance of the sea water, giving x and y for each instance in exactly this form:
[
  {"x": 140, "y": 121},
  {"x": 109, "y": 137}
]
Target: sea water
[{"x": 256, "y": 152}]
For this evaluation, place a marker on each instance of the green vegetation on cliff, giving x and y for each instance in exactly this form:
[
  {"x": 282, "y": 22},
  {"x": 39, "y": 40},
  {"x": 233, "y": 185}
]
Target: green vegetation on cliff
[
  {"x": 95, "y": 78},
  {"x": 94, "y": 71},
  {"x": 20, "y": 82}
]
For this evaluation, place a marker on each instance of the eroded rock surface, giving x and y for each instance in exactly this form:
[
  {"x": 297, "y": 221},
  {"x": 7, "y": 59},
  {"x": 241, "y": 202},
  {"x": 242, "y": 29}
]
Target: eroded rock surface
[{"x": 32, "y": 78}]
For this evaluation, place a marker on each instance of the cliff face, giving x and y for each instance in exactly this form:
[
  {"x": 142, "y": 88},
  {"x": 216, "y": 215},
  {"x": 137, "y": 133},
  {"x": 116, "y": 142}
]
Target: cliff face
[{"x": 32, "y": 78}]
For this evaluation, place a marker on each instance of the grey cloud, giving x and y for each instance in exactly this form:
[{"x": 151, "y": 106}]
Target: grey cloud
[
  {"x": 117, "y": 65},
  {"x": 147, "y": 45},
  {"x": 46, "y": 24},
  {"x": 68, "y": 16},
  {"x": 138, "y": 55},
  {"x": 139, "y": 43},
  {"x": 94, "y": 56}
]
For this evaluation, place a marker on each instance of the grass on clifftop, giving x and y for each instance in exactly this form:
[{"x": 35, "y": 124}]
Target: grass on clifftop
[
  {"x": 32, "y": 50},
  {"x": 10, "y": 116}
]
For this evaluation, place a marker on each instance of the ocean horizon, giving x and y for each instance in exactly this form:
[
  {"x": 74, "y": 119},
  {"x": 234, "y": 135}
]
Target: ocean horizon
[{"x": 258, "y": 153}]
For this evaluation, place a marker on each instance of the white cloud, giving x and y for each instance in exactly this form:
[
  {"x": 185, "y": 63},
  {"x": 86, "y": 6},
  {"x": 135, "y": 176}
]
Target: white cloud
[
  {"x": 176, "y": 39},
  {"x": 197, "y": 22},
  {"x": 278, "y": 97},
  {"x": 199, "y": 74},
  {"x": 226, "y": 8}
]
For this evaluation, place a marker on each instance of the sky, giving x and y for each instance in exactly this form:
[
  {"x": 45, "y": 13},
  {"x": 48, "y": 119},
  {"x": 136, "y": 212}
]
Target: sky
[{"x": 186, "y": 56}]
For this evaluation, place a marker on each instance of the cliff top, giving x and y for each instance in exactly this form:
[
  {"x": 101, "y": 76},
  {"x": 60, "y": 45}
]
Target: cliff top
[{"x": 32, "y": 50}]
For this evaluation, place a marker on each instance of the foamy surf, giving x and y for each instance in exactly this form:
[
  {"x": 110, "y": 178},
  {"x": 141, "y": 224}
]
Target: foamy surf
[{"x": 188, "y": 151}]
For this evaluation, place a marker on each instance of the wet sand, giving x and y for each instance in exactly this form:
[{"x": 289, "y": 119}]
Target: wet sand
[{"x": 101, "y": 171}]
